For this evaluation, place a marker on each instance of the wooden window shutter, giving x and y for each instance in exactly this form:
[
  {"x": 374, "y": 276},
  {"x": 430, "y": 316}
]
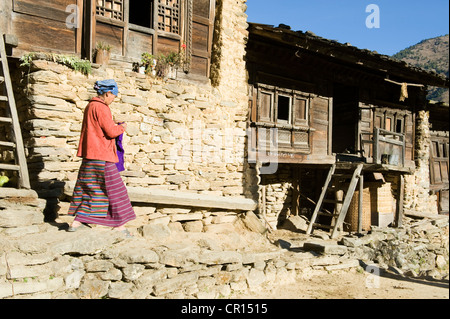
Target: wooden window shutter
[
  {"x": 300, "y": 108},
  {"x": 265, "y": 106},
  {"x": 201, "y": 35}
]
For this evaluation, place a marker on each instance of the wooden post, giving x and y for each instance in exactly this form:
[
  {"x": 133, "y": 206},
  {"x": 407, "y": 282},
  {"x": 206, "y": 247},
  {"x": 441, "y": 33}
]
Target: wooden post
[
  {"x": 400, "y": 195},
  {"x": 376, "y": 141},
  {"x": 360, "y": 203},
  {"x": 296, "y": 191}
]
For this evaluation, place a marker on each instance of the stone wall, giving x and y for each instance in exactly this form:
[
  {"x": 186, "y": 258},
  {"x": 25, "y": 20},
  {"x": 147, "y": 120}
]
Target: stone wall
[
  {"x": 182, "y": 135},
  {"x": 417, "y": 186}
]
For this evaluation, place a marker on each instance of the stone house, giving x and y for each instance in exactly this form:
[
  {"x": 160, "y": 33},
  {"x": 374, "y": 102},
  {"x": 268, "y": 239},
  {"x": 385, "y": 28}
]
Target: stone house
[{"x": 198, "y": 147}]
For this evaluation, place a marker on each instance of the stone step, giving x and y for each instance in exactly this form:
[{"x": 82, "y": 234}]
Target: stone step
[{"x": 19, "y": 217}]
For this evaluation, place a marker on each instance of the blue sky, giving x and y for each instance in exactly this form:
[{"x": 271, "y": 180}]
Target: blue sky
[{"x": 402, "y": 23}]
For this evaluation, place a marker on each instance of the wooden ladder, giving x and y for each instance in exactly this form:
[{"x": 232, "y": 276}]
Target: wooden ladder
[
  {"x": 12, "y": 120},
  {"x": 337, "y": 217}
]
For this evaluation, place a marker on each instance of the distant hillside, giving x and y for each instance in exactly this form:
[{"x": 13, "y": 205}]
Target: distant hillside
[{"x": 431, "y": 55}]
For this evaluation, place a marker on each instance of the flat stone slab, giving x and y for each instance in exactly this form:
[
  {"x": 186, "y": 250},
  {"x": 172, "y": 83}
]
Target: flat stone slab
[{"x": 325, "y": 248}]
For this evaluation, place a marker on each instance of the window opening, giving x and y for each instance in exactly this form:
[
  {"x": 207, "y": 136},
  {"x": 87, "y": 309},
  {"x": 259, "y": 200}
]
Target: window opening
[
  {"x": 399, "y": 126},
  {"x": 141, "y": 13},
  {"x": 284, "y": 106},
  {"x": 169, "y": 16},
  {"x": 110, "y": 9}
]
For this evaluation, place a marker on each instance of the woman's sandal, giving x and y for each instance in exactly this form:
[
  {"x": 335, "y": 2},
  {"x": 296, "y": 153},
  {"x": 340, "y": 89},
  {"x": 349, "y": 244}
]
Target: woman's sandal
[
  {"x": 74, "y": 229},
  {"x": 127, "y": 233}
]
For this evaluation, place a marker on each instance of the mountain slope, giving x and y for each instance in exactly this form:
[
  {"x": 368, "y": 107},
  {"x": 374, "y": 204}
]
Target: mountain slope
[{"x": 431, "y": 55}]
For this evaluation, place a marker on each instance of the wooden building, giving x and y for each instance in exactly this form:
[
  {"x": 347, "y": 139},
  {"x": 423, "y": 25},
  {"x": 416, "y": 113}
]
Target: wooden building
[
  {"x": 326, "y": 105},
  {"x": 439, "y": 154},
  {"x": 129, "y": 27}
]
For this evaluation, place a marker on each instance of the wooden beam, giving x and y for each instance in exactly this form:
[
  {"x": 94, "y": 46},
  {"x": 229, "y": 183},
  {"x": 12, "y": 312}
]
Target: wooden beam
[
  {"x": 179, "y": 198},
  {"x": 360, "y": 201},
  {"x": 400, "y": 195}
]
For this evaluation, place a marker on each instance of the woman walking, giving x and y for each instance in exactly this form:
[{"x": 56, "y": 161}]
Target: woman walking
[{"x": 100, "y": 196}]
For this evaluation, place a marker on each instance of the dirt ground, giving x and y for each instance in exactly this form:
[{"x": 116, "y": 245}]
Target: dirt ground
[
  {"x": 349, "y": 284},
  {"x": 355, "y": 285}
]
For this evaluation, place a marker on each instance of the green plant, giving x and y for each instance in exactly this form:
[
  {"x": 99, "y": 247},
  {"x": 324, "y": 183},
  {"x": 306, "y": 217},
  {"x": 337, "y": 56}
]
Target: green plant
[
  {"x": 27, "y": 59},
  {"x": 148, "y": 61},
  {"x": 103, "y": 46},
  {"x": 71, "y": 61},
  {"x": 162, "y": 62}
]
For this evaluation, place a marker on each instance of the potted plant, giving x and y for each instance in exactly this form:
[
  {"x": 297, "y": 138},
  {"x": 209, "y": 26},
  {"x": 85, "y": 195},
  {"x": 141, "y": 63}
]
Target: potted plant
[
  {"x": 148, "y": 64},
  {"x": 102, "y": 53}
]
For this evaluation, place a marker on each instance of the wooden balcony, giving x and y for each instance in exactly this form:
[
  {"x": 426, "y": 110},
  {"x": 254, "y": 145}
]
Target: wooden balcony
[{"x": 384, "y": 147}]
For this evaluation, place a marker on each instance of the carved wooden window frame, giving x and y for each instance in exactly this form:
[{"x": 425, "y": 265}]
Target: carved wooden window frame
[
  {"x": 169, "y": 16},
  {"x": 113, "y": 9}
]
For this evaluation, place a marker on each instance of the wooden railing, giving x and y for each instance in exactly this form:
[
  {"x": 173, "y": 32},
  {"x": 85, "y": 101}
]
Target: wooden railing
[{"x": 385, "y": 147}]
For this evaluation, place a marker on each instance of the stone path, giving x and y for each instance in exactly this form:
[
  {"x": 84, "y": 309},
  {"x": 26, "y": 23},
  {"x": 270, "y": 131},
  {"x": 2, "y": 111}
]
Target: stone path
[{"x": 42, "y": 260}]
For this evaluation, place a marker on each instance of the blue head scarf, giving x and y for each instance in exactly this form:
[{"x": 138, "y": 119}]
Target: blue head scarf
[{"x": 106, "y": 86}]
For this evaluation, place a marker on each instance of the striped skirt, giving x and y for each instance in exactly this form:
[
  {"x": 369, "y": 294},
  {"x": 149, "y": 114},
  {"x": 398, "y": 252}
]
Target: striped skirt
[{"x": 100, "y": 196}]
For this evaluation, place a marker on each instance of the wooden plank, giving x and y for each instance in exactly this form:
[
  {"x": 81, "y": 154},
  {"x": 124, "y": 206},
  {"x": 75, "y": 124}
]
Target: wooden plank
[
  {"x": 7, "y": 144},
  {"x": 360, "y": 202},
  {"x": 179, "y": 198},
  {"x": 49, "y": 9},
  {"x": 110, "y": 34},
  {"x": 416, "y": 214},
  {"x": 5, "y": 119},
  {"x": 400, "y": 196},
  {"x": 10, "y": 167},
  {"x": 52, "y": 36},
  {"x": 139, "y": 42},
  {"x": 320, "y": 201}
]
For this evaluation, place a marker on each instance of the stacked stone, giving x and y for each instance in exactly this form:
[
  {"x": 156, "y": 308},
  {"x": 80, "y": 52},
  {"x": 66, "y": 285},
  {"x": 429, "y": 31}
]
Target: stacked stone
[
  {"x": 159, "y": 262},
  {"x": 420, "y": 248},
  {"x": 417, "y": 186},
  {"x": 21, "y": 212},
  {"x": 181, "y": 135},
  {"x": 278, "y": 195}
]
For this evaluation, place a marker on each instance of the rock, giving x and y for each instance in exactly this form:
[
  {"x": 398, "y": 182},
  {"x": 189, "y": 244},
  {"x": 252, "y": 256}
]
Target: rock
[
  {"x": 325, "y": 248},
  {"x": 86, "y": 242},
  {"x": 10, "y": 218},
  {"x": 220, "y": 257},
  {"x": 296, "y": 223},
  {"x": 74, "y": 279},
  {"x": 193, "y": 226},
  {"x": 344, "y": 265},
  {"x": 155, "y": 231},
  {"x": 441, "y": 263},
  {"x": 253, "y": 223},
  {"x": 351, "y": 242},
  {"x": 171, "y": 285},
  {"x": 99, "y": 265},
  {"x": 255, "y": 278},
  {"x": 138, "y": 255},
  {"x": 93, "y": 289},
  {"x": 120, "y": 290},
  {"x": 132, "y": 272}
]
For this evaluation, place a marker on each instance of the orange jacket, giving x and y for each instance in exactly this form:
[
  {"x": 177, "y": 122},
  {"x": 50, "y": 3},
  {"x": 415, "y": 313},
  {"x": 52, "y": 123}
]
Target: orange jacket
[{"x": 98, "y": 133}]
